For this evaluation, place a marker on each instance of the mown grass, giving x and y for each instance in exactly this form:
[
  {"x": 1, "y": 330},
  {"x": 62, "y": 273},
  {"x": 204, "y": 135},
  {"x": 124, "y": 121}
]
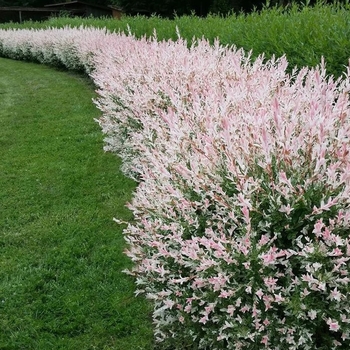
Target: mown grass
[
  {"x": 303, "y": 33},
  {"x": 61, "y": 255}
]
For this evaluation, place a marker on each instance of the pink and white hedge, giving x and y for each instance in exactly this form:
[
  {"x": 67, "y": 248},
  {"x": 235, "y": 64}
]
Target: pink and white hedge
[{"x": 241, "y": 230}]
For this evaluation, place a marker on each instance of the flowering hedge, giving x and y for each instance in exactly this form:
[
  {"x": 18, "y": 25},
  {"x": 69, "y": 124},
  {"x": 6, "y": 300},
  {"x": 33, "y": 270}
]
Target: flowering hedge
[{"x": 241, "y": 217}]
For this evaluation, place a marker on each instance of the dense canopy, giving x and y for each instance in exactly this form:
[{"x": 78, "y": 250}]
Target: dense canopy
[
  {"x": 169, "y": 8},
  {"x": 38, "y": 3}
]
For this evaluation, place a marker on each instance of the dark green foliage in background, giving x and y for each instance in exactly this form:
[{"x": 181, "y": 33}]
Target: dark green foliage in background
[
  {"x": 168, "y": 8},
  {"x": 39, "y": 3}
]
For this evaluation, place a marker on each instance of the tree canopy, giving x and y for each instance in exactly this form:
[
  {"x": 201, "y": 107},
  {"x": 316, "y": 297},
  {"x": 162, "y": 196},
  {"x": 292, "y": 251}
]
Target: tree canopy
[
  {"x": 201, "y": 7},
  {"x": 180, "y": 7},
  {"x": 168, "y": 8},
  {"x": 40, "y": 3}
]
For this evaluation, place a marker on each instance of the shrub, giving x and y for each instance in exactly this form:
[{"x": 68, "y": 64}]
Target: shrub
[
  {"x": 241, "y": 217},
  {"x": 71, "y": 48}
]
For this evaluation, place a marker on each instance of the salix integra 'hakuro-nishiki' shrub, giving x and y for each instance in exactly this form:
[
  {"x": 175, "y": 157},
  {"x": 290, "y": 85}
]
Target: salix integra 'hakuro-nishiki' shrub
[
  {"x": 72, "y": 48},
  {"x": 135, "y": 93},
  {"x": 241, "y": 218},
  {"x": 240, "y": 235}
]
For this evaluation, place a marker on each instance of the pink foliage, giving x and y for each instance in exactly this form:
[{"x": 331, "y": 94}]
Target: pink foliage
[{"x": 242, "y": 213}]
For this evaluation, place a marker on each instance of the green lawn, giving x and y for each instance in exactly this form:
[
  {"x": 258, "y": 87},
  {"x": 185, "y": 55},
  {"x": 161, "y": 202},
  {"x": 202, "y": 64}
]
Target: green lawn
[{"x": 61, "y": 255}]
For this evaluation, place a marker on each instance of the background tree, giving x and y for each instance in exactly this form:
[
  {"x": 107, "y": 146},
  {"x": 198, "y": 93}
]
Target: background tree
[
  {"x": 167, "y": 8},
  {"x": 40, "y": 3},
  {"x": 222, "y": 7}
]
